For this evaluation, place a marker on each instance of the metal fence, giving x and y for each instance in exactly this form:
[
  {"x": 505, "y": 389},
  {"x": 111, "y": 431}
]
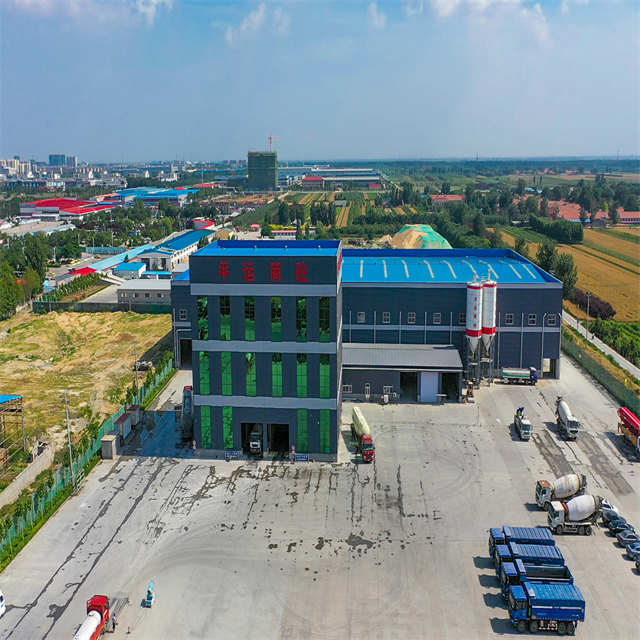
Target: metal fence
[
  {"x": 63, "y": 477},
  {"x": 40, "y": 306},
  {"x": 616, "y": 388}
]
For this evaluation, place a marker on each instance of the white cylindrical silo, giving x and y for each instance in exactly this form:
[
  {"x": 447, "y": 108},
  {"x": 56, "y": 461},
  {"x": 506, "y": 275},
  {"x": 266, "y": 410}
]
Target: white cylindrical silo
[
  {"x": 489, "y": 304},
  {"x": 474, "y": 314}
]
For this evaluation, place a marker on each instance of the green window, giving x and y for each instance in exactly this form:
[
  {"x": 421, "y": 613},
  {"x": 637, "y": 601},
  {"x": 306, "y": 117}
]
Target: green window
[
  {"x": 227, "y": 427},
  {"x": 203, "y": 317},
  {"x": 303, "y": 431},
  {"x": 276, "y": 375},
  {"x": 225, "y": 318},
  {"x": 249, "y": 318},
  {"x": 226, "y": 373},
  {"x": 205, "y": 385},
  {"x": 205, "y": 426},
  {"x": 276, "y": 319},
  {"x": 325, "y": 319},
  {"x": 325, "y": 376},
  {"x": 251, "y": 373},
  {"x": 325, "y": 430},
  {"x": 302, "y": 375},
  {"x": 301, "y": 319}
]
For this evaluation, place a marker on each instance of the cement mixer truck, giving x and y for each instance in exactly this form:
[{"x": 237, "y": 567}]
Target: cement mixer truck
[
  {"x": 95, "y": 624},
  {"x": 575, "y": 516},
  {"x": 561, "y": 489},
  {"x": 568, "y": 425}
]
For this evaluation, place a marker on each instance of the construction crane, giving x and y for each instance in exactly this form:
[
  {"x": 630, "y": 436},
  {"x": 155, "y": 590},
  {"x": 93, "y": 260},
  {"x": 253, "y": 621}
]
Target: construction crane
[{"x": 271, "y": 138}]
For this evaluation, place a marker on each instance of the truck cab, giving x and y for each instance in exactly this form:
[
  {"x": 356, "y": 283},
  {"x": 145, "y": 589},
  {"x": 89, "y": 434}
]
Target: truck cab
[
  {"x": 518, "y": 607},
  {"x": 508, "y": 577},
  {"x": 544, "y": 491},
  {"x": 522, "y": 424},
  {"x": 368, "y": 448},
  {"x": 571, "y": 428},
  {"x": 255, "y": 441}
]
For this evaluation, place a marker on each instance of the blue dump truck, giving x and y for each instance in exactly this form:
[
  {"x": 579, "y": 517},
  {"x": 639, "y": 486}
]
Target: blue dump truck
[
  {"x": 528, "y": 553},
  {"x": 518, "y": 572},
  {"x": 523, "y": 535},
  {"x": 548, "y": 607}
]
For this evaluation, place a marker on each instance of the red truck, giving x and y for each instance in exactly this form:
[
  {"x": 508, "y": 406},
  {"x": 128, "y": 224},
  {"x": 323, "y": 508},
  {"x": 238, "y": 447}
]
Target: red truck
[
  {"x": 362, "y": 434},
  {"x": 98, "y": 615},
  {"x": 629, "y": 427}
]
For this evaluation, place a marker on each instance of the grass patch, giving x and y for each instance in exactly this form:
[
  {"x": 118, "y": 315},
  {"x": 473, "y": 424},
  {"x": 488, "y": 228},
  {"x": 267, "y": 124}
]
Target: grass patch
[
  {"x": 611, "y": 252},
  {"x": 154, "y": 394},
  {"x": 257, "y": 215},
  {"x": 621, "y": 235}
]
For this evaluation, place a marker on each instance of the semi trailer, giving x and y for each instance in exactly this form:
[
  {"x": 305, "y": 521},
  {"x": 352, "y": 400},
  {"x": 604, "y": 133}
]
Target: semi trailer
[
  {"x": 568, "y": 425},
  {"x": 520, "y": 376},
  {"x": 98, "y": 614},
  {"x": 522, "y": 535},
  {"x": 522, "y": 424},
  {"x": 518, "y": 572},
  {"x": 362, "y": 435},
  {"x": 528, "y": 553},
  {"x": 546, "y": 607},
  {"x": 575, "y": 516},
  {"x": 187, "y": 412},
  {"x": 629, "y": 427},
  {"x": 563, "y": 488}
]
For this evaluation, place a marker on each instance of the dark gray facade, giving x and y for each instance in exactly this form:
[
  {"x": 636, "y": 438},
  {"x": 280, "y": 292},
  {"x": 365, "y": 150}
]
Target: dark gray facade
[{"x": 262, "y": 167}]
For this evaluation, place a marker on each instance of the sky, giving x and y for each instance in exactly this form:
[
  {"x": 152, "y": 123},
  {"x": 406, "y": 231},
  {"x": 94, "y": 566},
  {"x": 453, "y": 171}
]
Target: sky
[{"x": 142, "y": 80}]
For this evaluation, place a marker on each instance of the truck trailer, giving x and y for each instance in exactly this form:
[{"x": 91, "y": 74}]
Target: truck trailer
[
  {"x": 563, "y": 488},
  {"x": 518, "y": 572},
  {"x": 362, "y": 435},
  {"x": 528, "y": 553},
  {"x": 546, "y": 607},
  {"x": 520, "y": 376},
  {"x": 568, "y": 425},
  {"x": 98, "y": 614},
  {"x": 523, "y": 535},
  {"x": 575, "y": 516}
]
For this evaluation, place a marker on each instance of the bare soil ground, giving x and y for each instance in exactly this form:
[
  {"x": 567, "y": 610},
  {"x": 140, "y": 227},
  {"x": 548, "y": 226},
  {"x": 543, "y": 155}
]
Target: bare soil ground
[{"x": 90, "y": 355}]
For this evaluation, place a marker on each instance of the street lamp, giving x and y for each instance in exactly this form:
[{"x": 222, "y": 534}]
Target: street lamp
[
  {"x": 587, "y": 327},
  {"x": 135, "y": 351}
]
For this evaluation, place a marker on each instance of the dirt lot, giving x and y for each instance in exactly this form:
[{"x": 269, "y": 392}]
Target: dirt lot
[
  {"x": 395, "y": 549},
  {"x": 89, "y": 354}
]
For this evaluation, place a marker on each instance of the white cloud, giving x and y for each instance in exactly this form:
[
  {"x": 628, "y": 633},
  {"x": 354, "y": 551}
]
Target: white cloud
[
  {"x": 375, "y": 17},
  {"x": 282, "y": 20},
  {"x": 444, "y": 8},
  {"x": 537, "y": 22},
  {"x": 565, "y": 4},
  {"x": 414, "y": 8},
  {"x": 121, "y": 11},
  {"x": 250, "y": 25}
]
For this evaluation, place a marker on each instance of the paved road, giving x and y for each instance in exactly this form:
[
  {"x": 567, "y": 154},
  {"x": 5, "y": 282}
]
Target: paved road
[{"x": 574, "y": 323}]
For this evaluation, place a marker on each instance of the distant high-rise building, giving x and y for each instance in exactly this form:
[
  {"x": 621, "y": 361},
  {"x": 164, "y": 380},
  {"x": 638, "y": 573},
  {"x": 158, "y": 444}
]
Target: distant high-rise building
[
  {"x": 57, "y": 160},
  {"x": 72, "y": 161},
  {"x": 263, "y": 170}
]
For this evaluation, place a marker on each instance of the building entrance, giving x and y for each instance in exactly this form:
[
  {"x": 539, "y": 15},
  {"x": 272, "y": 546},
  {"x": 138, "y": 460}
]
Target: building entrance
[
  {"x": 409, "y": 386},
  {"x": 278, "y": 439},
  {"x": 185, "y": 353}
]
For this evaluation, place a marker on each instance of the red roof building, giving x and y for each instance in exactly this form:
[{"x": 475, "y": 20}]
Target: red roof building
[
  {"x": 447, "y": 198},
  {"x": 69, "y": 208},
  {"x": 312, "y": 182}
]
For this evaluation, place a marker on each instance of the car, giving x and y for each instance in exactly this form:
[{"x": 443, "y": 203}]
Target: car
[
  {"x": 609, "y": 506},
  {"x": 619, "y": 524},
  {"x": 633, "y": 551},
  {"x": 3, "y": 605},
  {"x": 627, "y": 536},
  {"x": 608, "y": 514}
]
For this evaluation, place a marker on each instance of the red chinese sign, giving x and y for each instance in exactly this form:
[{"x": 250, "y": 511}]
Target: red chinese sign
[
  {"x": 248, "y": 273},
  {"x": 302, "y": 271},
  {"x": 275, "y": 271},
  {"x": 224, "y": 270}
]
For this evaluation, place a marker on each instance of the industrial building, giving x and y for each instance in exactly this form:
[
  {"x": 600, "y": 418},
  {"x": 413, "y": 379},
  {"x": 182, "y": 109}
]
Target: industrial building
[
  {"x": 263, "y": 170},
  {"x": 278, "y": 332}
]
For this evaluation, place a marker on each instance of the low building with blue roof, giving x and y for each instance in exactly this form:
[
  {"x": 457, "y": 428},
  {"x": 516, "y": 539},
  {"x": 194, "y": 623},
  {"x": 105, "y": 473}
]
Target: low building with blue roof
[
  {"x": 129, "y": 270},
  {"x": 279, "y": 331},
  {"x": 168, "y": 254}
]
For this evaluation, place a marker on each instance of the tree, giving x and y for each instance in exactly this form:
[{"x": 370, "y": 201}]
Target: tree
[
  {"x": 446, "y": 188},
  {"x": 505, "y": 199},
  {"x": 522, "y": 247},
  {"x": 266, "y": 231},
  {"x": 544, "y": 207},
  {"x": 479, "y": 226},
  {"x": 495, "y": 238},
  {"x": 36, "y": 252},
  {"x": 203, "y": 242},
  {"x": 283, "y": 213},
  {"x": 567, "y": 272},
  {"x": 614, "y": 214},
  {"x": 520, "y": 185},
  {"x": 31, "y": 283},
  {"x": 425, "y": 191},
  {"x": 10, "y": 291},
  {"x": 547, "y": 255},
  {"x": 583, "y": 216}
]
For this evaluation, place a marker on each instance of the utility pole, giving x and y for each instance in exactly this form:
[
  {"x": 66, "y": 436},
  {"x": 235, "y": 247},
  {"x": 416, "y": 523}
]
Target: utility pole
[
  {"x": 135, "y": 351},
  {"x": 66, "y": 408},
  {"x": 587, "y": 327}
]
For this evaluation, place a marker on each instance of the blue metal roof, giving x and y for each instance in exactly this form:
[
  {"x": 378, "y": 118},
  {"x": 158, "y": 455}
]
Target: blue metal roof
[
  {"x": 163, "y": 273},
  {"x": 271, "y": 248},
  {"x": 155, "y": 192},
  {"x": 185, "y": 275},
  {"x": 6, "y": 397},
  {"x": 112, "y": 261},
  {"x": 185, "y": 240},
  {"x": 439, "y": 266},
  {"x": 129, "y": 266}
]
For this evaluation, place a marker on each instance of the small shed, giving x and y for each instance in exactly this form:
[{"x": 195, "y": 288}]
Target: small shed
[
  {"x": 135, "y": 412},
  {"x": 110, "y": 445},
  {"x": 123, "y": 424}
]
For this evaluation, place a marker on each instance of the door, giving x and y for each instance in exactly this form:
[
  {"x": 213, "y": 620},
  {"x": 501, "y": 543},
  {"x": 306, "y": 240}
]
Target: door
[
  {"x": 429, "y": 386},
  {"x": 367, "y": 391}
]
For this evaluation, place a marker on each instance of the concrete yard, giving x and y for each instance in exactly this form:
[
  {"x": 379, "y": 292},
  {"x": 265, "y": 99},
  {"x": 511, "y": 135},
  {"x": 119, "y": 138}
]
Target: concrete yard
[{"x": 396, "y": 549}]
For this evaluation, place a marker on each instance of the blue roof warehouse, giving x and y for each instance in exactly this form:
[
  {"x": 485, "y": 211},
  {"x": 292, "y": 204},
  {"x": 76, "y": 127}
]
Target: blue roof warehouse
[{"x": 278, "y": 332}]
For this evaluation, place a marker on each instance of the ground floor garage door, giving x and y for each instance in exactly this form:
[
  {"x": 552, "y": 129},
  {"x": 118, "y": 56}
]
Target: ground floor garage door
[{"x": 429, "y": 386}]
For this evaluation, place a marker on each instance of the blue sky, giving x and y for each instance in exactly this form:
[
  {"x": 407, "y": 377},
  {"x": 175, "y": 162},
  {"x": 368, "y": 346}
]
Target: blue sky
[{"x": 135, "y": 80}]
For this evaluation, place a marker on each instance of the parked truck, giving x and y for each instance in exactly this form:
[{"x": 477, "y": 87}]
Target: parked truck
[
  {"x": 522, "y": 535},
  {"x": 518, "y": 572},
  {"x": 629, "y": 427},
  {"x": 255, "y": 441},
  {"x": 568, "y": 425},
  {"x": 529, "y": 553},
  {"x": 98, "y": 615},
  {"x": 526, "y": 376},
  {"x": 546, "y": 607},
  {"x": 522, "y": 424},
  {"x": 563, "y": 488},
  {"x": 575, "y": 516},
  {"x": 362, "y": 435},
  {"x": 187, "y": 412}
]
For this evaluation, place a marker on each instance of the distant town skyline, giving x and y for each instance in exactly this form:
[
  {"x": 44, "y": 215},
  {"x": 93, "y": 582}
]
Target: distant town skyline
[{"x": 144, "y": 80}]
